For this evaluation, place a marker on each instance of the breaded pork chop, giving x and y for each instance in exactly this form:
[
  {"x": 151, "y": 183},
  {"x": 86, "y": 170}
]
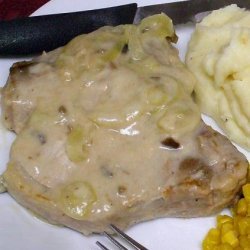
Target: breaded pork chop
[{"x": 107, "y": 132}]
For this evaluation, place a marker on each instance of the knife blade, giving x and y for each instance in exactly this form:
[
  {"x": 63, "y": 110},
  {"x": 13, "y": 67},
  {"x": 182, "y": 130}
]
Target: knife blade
[
  {"x": 25, "y": 36},
  {"x": 30, "y": 35},
  {"x": 186, "y": 11}
]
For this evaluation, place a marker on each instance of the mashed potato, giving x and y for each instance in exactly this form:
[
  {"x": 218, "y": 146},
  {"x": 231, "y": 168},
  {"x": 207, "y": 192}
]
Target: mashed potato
[{"x": 219, "y": 56}]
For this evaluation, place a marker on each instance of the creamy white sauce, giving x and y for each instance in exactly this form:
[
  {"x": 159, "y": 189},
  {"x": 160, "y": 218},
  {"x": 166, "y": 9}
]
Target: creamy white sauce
[{"x": 101, "y": 122}]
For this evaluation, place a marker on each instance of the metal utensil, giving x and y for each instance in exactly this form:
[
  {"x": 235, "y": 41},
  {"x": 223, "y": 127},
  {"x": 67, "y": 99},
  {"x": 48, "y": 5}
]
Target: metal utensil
[{"x": 117, "y": 243}]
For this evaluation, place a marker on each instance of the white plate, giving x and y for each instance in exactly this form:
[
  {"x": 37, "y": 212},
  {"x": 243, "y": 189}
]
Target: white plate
[{"x": 20, "y": 230}]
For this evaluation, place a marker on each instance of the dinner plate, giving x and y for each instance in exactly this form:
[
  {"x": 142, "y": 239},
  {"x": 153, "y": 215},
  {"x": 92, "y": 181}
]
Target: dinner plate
[{"x": 21, "y": 230}]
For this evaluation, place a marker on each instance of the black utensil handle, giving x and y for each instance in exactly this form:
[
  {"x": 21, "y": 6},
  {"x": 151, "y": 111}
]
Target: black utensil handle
[{"x": 32, "y": 35}]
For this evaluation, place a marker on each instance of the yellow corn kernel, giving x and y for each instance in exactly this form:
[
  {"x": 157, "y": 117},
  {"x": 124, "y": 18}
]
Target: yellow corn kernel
[
  {"x": 246, "y": 192},
  {"x": 210, "y": 247},
  {"x": 244, "y": 225},
  {"x": 244, "y": 242},
  {"x": 221, "y": 219},
  {"x": 237, "y": 218},
  {"x": 241, "y": 207},
  {"x": 225, "y": 246},
  {"x": 227, "y": 226},
  {"x": 234, "y": 231},
  {"x": 212, "y": 239},
  {"x": 230, "y": 237},
  {"x": 207, "y": 245},
  {"x": 248, "y": 209}
]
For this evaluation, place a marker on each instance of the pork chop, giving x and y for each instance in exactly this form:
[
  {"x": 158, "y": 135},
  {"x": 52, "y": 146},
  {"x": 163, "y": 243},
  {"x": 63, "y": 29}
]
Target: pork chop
[{"x": 107, "y": 132}]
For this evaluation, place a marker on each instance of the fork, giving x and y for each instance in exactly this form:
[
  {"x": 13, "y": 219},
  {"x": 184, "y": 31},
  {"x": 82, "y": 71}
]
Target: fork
[{"x": 122, "y": 235}]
